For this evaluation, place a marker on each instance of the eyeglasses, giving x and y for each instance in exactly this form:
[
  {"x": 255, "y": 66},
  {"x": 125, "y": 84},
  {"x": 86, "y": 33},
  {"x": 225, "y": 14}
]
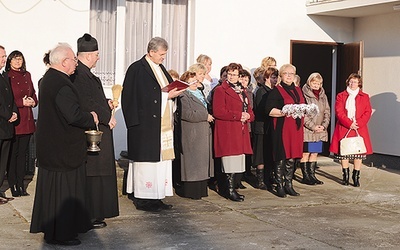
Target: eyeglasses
[
  {"x": 355, "y": 82},
  {"x": 17, "y": 58},
  {"x": 73, "y": 59},
  {"x": 230, "y": 74},
  {"x": 288, "y": 74}
]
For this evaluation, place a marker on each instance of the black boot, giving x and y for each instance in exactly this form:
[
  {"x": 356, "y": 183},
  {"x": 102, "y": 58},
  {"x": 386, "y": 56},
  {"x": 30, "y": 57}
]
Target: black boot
[
  {"x": 356, "y": 178},
  {"x": 22, "y": 191},
  {"x": 311, "y": 173},
  {"x": 238, "y": 181},
  {"x": 260, "y": 179},
  {"x": 14, "y": 191},
  {"x": 289, "y": 168},
  {"x": 232, "y": 194},
  {"x": 279, "y": 168},
  {"x": 269, "y": 178},
  {"x": 346, "y": 176},
  {"x": 296, "y": 166},
  {"x": 306, "y": 177}
]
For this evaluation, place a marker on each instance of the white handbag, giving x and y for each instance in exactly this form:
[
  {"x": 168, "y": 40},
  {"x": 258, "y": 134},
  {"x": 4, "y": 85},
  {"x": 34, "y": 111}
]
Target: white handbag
[{"x": 352, "y": 145}]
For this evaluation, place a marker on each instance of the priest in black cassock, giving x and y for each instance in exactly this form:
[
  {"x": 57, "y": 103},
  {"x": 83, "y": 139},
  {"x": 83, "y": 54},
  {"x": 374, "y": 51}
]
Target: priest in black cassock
[
  {"x": 59, "y": 209},
  {"x": 101, "y": 179}
]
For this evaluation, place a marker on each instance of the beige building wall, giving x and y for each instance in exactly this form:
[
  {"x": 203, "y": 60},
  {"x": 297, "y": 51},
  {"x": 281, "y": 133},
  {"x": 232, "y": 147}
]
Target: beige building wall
[{"x": 381, "y": 36}]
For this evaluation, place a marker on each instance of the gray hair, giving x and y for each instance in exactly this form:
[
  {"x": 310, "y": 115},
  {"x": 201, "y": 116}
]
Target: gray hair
[
  {"x": 286, "y": 66},
  {"x": 156, "y": 43},
  {"x": 59, "y": 53}
]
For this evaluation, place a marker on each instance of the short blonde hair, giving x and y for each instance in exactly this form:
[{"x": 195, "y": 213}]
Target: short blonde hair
[
  {"x": 197, "y": 67},
  {"x": 314, "y": 76},
  {"x": 203, "y": 58},
  {"x": 267, "y": 62}
]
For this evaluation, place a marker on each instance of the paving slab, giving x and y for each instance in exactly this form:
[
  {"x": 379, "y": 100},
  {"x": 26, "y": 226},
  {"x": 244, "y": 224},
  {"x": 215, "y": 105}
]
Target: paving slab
[{"x": 328, "y": 216}]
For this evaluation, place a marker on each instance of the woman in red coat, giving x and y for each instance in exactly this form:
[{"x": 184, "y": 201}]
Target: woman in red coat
[
  {"x": 25, "y": 99},
  {"x": 353, "y": 111},
  {"x": 232, "y": 114},
  {"x": 287, "y": 131}
]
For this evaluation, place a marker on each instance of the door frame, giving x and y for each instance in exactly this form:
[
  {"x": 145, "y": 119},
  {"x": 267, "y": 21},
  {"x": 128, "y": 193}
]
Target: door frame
[{"x": 346, "y": 59}]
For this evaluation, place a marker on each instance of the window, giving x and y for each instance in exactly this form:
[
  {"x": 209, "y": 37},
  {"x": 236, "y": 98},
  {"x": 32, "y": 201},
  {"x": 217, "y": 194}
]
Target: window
[{"x": 170, "y": 17}]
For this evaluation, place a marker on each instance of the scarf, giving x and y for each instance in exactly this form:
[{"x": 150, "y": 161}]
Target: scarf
[
  {"x": 351, "y": 103},
  {"x": 291, "y": 90},
  {"x": 167, "y": 143},
  {"x": 199, "y": 95},
  {"x": 316, "y": 93},
  {"x": 239, "y": 90}
]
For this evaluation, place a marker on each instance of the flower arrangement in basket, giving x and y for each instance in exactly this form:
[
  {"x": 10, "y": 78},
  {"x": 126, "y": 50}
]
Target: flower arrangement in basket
[{"x": 299, "y": 110}]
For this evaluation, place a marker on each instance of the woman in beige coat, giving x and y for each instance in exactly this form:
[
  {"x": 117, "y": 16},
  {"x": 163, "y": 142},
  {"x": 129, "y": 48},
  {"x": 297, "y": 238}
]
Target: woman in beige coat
[{"x": 315, "y": 128}]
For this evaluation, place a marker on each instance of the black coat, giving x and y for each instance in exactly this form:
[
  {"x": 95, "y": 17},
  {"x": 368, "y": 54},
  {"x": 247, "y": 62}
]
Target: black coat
[
  {"x": 7, "y": 107},
  {"x": 262, "y": 120},
  {"x": 60, "y": 135},
  {"x": 93, "y": 98},
  {"x": 141, "y": 107}
]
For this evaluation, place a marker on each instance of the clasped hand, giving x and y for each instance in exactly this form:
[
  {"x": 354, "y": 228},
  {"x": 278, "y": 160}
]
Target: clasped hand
[
  {"x": 245, "y": 117},
  {"x": 13, "y": 118},
  {"x": 354, "y": 125},
  {"x": 28, "y": 101}
]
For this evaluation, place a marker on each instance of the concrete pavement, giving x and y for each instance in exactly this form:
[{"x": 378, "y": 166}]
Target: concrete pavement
[{"x": 330, "y": 216}]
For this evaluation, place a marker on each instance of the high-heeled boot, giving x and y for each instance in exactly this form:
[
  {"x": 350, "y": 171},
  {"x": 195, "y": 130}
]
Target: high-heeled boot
[
  {"x": 356, "y": 178},
  {"x": 306, "y": 177},
  {"x": 311, "y": 169},
  {"x": 14, "y": 191},
  {"x": 260, "y": 179},
  {"x": 269, "y": 178},
  {"x": 238, "y": 181},
  {"x": 289, "y": 168},
  {"x": 232, "y": 194},
  {"x": 279, "y": 169},
  {"x": 346, "y": 176}
]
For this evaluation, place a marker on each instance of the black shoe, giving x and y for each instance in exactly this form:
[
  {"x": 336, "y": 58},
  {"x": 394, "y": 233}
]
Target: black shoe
[
  {"x": 3, "y": 195},
  {"x": 3, "y": 201},
  {"x": 72, "y": 242},
  {"x": 164, "y": 206},
  {"x": 22, "y": 191},
  {"x": 14, "y": 191},
  {"x": 148, "y": 205},
  {"x": 280, "y": 191},
  {"x": 99, "y": 224},
  {"x": 131, "y": 197},
  {"x": 290, "y": 191},
  {"x": 149, "y": 208}
]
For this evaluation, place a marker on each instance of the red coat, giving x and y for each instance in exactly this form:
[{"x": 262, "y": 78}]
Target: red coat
[
  {"x": 231, "y": 136},
  {"x": 21, "y": 84},
  {"x": 343, "y": 123}
]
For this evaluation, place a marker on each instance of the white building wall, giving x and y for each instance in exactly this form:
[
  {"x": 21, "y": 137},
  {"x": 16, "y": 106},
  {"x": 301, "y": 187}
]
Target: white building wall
[
  {"x": 33, "y": 27},
  {"x": 246, "y": 32},
  {"x": 231, "y": 31}
]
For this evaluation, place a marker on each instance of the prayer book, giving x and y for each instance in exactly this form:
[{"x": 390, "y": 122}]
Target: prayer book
[{"x": 176, "y": 84}]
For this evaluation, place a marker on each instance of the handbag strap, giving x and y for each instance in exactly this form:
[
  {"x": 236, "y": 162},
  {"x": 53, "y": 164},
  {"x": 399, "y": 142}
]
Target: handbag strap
[{"x": 349, "y": 132}]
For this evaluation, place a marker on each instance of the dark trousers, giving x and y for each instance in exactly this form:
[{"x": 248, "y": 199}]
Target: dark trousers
[
  {"x": 16, "y": 171},
  {"x": 5, "y": 146}
]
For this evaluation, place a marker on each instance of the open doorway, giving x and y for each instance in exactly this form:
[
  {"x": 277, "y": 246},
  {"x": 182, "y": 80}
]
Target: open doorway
[{"x": 334, "y": 61}]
